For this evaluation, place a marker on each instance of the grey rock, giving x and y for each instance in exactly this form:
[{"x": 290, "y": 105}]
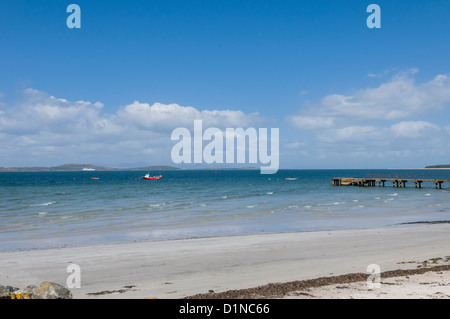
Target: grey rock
[
  {"x": 51, "y": 290},
  {"x": 46, "y": 290},
  {"x": 28, "y": 290},
  {"x": 7, "y": 289}
]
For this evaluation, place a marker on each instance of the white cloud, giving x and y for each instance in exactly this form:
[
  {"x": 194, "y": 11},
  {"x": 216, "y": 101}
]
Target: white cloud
[
  {"x": 397, "y": 118},
  {"x": 38, "y": 112},
  {"x": 414, "y": 129},
  {"x": 46, "y": 128},
  {"x": 311, "y": 122},
  {"x": 169, "y": 116},
  {"x": 400, "y": 98},
  {"x": 352, "y": 134}
]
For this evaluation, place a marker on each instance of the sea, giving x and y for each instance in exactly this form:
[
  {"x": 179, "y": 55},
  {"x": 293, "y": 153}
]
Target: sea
[{"x": 40, "y": 210}]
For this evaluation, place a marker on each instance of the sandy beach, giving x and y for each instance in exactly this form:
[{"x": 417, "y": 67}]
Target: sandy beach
[
  {"x": 432, "y": 284},
  {"x": 415, "y": 259}
]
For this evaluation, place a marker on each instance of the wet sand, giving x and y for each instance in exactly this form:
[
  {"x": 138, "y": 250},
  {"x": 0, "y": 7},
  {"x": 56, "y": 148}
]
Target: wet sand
[{"x": 253, "y": 266}]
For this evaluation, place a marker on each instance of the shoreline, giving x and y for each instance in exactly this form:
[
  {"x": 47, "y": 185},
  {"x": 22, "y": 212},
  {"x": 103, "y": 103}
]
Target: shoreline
[
  {"x": 174, "y": 239},
  {"x": 181, "y": 268}
]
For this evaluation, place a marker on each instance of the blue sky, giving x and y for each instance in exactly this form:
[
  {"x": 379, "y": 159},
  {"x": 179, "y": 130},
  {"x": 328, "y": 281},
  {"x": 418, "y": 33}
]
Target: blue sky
[{"x": 343, "y": 95}]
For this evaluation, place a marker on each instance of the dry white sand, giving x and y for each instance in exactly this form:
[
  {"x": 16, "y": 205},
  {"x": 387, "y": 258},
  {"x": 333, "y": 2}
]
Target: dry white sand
[
  {"x": 180, "y": 268},
  {"x": 430, "y": 285}
]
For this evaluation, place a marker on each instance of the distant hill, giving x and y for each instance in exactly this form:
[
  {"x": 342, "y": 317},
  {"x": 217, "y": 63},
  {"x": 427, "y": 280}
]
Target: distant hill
[
  {"x": 439, "y": 166},
  {"x": 81, "y": 167},
  {"x": 153, "y": 168}
]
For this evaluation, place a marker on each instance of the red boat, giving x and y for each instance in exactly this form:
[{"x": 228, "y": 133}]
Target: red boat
[{"x": 147, "y": 176}]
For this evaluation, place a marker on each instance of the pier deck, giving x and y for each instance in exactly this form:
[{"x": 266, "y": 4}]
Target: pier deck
[{"x": 396, "y": 182}]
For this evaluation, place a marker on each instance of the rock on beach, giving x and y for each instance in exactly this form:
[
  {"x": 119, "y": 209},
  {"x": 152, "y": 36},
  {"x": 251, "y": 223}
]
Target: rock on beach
[{"x": 46, "y": 290}]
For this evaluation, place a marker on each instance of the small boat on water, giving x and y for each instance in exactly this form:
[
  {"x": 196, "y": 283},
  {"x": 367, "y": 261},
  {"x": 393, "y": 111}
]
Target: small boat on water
[
  {"x": 147, "y": 176},
  {"x": 95, "y": 178},
  {"x": 291, "y": 179}
]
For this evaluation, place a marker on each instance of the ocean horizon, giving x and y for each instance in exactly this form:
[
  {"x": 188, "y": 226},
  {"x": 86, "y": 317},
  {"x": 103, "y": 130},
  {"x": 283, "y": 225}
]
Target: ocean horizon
[{"x": 41, "y": 210}]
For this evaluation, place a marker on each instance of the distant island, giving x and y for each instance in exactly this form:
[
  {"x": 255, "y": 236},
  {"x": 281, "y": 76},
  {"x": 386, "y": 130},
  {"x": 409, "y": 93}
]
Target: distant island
[
  {"x": 91, "y": 167},
  {"x": 438, "y": 166},
  {"x": 84, "y": 167}
]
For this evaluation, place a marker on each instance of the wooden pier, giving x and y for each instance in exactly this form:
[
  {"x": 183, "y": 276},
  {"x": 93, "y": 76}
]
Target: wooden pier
[{"x": 396, "y": 182}]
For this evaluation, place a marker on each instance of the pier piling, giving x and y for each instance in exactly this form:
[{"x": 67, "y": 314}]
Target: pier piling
[{"x": 396, "y": 182}]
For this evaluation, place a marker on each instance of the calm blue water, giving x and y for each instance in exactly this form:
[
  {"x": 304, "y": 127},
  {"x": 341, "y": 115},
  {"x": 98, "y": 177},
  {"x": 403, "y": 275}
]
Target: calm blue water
[{"x": 42, "y": 210}]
